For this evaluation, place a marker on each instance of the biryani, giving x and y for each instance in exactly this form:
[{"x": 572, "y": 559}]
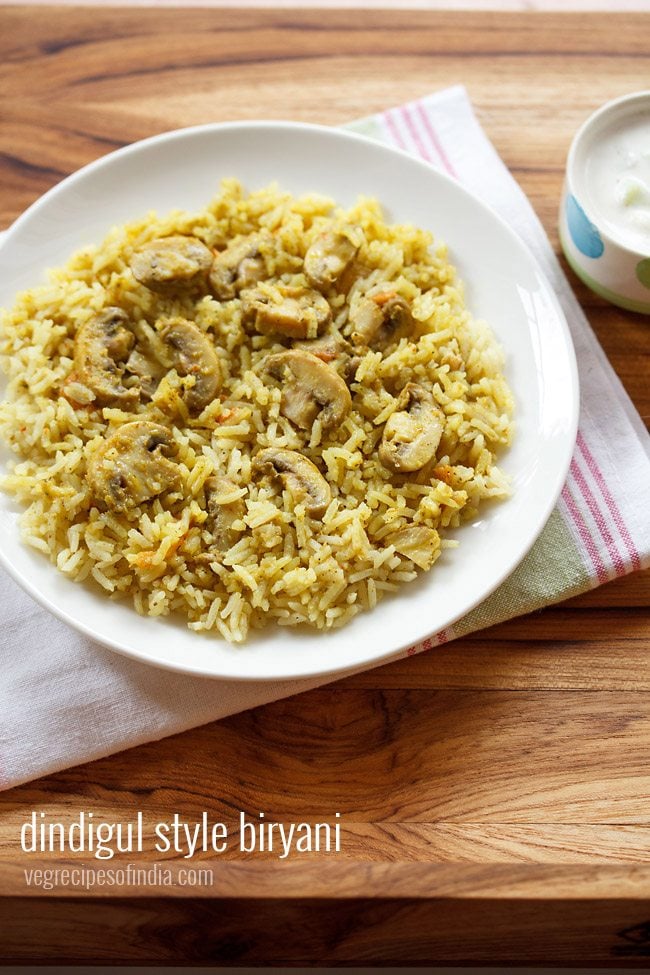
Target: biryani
[{"x": 273, "y": 410}]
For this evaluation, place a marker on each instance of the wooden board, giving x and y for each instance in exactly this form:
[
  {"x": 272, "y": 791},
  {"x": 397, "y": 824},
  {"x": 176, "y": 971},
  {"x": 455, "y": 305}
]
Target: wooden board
[{"x": 494, "y": 794}]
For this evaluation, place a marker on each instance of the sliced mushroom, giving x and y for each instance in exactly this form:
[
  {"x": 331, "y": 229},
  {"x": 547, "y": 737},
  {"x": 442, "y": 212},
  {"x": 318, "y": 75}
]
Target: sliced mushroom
[
  {"x": 148, "y": 370},
  {"x": 170, "y": 263},
  {"x": 412, "y": 433},
  {"x": 328, "y": 257},
  {"x": 133, "y": 465},
  {"x": 225, "y": 506},
  {"x": 311, "y": 388},
  {"x": 334, "y": 349},
  {"x": 380, "y": 319},
  {"x": 298, "y": 313},
  {"x": 192, "y": 353},
  {"x": 348, "y": 366},
  {"x": 101, "y": 348},
  {"x": 240, "y": 266},
  {"x": 300, "y": 477},
  {"x": 418, "y": 543},
  {"x": 328, "y": 347},
  {"x": 353, "y": 272}
]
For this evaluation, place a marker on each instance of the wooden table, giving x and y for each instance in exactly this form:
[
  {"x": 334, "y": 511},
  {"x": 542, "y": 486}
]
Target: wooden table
[{"x": 495, "y": 793}]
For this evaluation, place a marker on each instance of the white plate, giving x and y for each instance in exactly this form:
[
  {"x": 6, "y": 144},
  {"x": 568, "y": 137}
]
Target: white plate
[{"x": 503, "y": 285}]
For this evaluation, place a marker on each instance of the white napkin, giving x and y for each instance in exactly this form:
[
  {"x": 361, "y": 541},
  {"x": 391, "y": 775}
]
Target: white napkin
[{"x": 66, "y": 700}]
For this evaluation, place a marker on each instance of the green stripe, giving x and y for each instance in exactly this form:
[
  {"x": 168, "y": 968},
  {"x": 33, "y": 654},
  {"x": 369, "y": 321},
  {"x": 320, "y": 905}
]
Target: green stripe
[{"x": 552, "y": 571}]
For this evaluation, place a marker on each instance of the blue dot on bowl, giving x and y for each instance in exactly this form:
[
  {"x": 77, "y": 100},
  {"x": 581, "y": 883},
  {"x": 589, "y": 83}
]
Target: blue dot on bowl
[{"x": 583, "y": 232}]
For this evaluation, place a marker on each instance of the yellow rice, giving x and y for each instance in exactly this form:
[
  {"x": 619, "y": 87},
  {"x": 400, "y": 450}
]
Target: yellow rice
[{"x": 285, "y": 567}]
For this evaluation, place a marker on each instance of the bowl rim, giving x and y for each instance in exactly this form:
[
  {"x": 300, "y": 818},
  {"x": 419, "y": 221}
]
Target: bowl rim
[
  {"x": 615, "y": 107},
  {"x": 320, "y": 669}
]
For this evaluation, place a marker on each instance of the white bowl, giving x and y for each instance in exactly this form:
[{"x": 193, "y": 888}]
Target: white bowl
[
  {"x": 609, "y": 256},
  {"x": 181, "y": 169}
]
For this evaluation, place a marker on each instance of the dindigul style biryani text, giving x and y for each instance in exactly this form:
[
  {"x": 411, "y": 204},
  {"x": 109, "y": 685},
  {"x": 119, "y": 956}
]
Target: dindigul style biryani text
[{"x": 271, "y": 410}]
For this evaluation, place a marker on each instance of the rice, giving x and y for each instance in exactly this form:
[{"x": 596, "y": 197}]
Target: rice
[{"x": 285, "y": 565}]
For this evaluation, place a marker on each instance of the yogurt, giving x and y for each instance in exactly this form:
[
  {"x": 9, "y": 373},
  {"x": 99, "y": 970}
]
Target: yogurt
[{"x": 617, "y": 180}]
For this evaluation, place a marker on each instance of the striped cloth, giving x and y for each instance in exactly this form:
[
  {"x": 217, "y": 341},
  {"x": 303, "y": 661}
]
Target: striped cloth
[
  {"x": 64, "y": 700},
  {"x": 600, "y": 528}
]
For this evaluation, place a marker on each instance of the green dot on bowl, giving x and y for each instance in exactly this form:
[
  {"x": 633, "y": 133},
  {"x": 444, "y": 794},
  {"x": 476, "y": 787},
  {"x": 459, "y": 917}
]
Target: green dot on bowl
[{"x": 643, "y": 272}]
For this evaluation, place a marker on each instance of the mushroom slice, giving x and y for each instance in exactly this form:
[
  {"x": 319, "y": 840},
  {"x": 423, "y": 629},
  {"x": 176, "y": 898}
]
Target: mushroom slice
[
  {"x": 101, "y": 347},
  {"x": 192, "y": 353},
  {"x": 328, "y": 257},
  {"x": 412, "y": 433},
  {"x": 171, "y": 263},
  {"x": 328, "y": 347},
  {"x": 241, "y": 265},
  {"x": 133, "y": 465},
  {"x": 300, "y": 477},
  {"x": 225, "y": 506},
  {"x": 418, "y": 543},
  {"x": 381, "y": 318},
  {"x": 353, "y": 272},
  {"x": 298, "y": 313},
  {"x": 148, "y": 370},
  {"x": 311, "y": 388},
  {"x": 350, "y": 365},
  {"x": 333, "y": 348}
]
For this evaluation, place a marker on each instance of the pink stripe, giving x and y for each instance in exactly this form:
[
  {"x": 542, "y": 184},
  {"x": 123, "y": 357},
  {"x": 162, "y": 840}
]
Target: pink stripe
[
  {"x": 586, "y": 453},
  {"x": 429, "y": 643},
  {"x": 395, "y": 133},
  {"x": 598, "y": 517},
  {"x": 435, "y": 141},
  {"x": 581, "y": 525},
  {"x": 584, "y": 533},
  {"x": 609, "y": 501},
  {"x": 415, "y": 135}
]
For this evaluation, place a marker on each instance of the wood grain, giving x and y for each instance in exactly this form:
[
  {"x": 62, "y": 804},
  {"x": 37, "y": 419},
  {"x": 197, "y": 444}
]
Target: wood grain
[{"x": 495, "y": 793}]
